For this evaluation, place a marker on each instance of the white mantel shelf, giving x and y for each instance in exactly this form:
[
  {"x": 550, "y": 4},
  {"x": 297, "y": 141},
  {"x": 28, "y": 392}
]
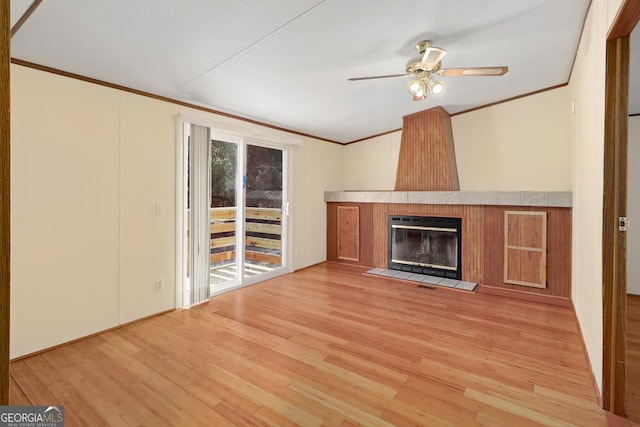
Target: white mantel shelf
[{"x": 560, "y": 199}]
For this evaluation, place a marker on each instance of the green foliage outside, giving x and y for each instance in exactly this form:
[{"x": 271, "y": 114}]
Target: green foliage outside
[
  {"x": 264, "y": 175},
  {"x": 223, "y": 174}
]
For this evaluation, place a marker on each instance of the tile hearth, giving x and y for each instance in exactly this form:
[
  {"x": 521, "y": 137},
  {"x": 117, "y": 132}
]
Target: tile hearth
[{"x": 424, "y": 278}]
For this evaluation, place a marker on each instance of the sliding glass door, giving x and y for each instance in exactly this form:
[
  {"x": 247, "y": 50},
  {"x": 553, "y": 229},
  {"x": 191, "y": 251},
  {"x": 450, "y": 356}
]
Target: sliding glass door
[
  {"x": 223, "y": 259},
  {"x": 244, "y": 226},
  {"x": 263, "y": 210}
]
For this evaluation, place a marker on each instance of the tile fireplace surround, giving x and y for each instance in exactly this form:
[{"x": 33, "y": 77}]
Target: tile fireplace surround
[{"x": 559, "y": 199}]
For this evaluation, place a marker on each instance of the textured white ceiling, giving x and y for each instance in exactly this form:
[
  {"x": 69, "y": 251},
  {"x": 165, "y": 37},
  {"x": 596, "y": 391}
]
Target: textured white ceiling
[
  {"x": 286, "y": 63},
  {"x": 18, "y": 8}
]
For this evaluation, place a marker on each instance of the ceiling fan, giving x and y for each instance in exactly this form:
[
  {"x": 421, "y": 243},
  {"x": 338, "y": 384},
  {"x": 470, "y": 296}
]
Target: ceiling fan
[{"x": 426, "y": 68}]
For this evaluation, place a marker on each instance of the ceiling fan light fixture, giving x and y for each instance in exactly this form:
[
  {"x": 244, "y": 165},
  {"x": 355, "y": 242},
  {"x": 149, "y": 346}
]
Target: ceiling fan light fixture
[
  {"x": 423, "y": 85},
  {"x": 435, "y": 86},
  {"x": 418, "y": 88}
]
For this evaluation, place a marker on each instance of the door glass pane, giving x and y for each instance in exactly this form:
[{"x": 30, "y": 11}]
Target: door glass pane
[
  {"x": 263, "y": 213},
  {"x": 223, "y": 260}
]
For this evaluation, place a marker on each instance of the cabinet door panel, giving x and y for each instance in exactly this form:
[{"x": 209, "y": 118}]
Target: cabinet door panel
[
  {"x": 349, "y": 233},
  {"x": 525, "y": 248}
]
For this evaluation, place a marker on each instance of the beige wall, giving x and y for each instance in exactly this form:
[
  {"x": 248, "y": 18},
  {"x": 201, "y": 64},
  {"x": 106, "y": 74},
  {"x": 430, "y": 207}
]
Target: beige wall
[
  {"x": 317, "y": 167},
  {"x": 522, "y": 145},
  {"x": 64, "y": 210},
  {"x": 633, "y": 207},
  {"x": 89, "y": 166},
  {"x": 587, "y": 89},
  {"x": 371, "y": 165},
  {"x": 147, "y": 178}
]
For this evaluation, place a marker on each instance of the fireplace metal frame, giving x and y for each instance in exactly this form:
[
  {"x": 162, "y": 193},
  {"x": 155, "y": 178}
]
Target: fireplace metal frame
[{"x": 429, "y": 222}]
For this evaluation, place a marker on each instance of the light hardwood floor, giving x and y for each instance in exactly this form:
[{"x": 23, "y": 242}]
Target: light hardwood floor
[
  {"x": 633, "y": 358},
  {"x": 326, "y": 346}
]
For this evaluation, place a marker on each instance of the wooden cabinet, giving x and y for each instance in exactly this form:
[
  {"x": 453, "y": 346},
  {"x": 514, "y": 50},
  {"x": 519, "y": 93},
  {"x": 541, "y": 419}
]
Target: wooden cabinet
[
  {"x": 348, "y": 238},
  {"x": 349, "y": 233}
]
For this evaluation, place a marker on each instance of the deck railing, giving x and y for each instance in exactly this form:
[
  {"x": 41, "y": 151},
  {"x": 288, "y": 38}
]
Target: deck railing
[{"x": 263, "y": 242}]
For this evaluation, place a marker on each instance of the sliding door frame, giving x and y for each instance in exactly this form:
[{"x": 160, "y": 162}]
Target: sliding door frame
[
  {"x": 220, "y": 130},
  {"x": 285, "y": 263}
]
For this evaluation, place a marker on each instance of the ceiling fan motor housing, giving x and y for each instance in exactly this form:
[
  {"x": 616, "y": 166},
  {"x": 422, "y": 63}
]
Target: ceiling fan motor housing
[
  {"x": 422, "y": 46},
  {"x": 429, "y": 59},
  {"x": 415, "y": 66}
]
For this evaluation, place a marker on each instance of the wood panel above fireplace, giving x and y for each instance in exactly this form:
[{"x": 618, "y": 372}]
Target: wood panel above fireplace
[{"x": 427, "y": 160}]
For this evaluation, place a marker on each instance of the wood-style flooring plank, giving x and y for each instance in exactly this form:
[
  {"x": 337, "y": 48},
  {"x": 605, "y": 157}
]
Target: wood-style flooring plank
[
  {"x": 17, "y": 396},
  {"x": 329, "y": 346}
]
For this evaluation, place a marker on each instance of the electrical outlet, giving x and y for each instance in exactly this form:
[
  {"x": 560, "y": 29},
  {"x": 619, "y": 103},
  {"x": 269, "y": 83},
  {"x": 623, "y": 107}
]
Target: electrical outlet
[{"x": 159, "y": 286}]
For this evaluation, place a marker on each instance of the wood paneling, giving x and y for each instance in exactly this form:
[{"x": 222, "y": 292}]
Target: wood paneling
[
  {"x": 427, "y": 157},
  {"x": 328, "y": 346},
  {"x": 349, "y": 233},
  {"x": 558, "y": 268},
  {"x": 525, "y": 248},
  {"x": 332, "y": 231},
  {"x": 4, "y": 200}
]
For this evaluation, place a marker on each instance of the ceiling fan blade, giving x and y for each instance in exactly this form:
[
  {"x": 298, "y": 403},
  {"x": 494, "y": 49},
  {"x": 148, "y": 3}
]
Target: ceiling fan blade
[
  {"x": 473, "y": 71},
  {"x": 354, "y": 79},
  {"x": 432, "y": 57}
]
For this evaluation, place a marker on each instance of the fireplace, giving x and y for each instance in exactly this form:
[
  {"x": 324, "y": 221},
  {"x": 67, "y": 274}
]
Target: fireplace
[{"x": 426, "y": 245}]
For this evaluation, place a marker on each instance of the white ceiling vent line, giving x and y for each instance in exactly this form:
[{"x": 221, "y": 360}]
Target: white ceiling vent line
[{"x": 240, "y": 52}]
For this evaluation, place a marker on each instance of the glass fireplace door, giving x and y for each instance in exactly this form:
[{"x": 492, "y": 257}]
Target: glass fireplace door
[{"x": 426, "y": 245}]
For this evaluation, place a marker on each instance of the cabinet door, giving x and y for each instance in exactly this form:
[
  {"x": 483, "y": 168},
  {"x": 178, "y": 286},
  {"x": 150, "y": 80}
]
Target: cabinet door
[
  {"x": 349, "y": 233},
  {"x": 525, "y": 248}
]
